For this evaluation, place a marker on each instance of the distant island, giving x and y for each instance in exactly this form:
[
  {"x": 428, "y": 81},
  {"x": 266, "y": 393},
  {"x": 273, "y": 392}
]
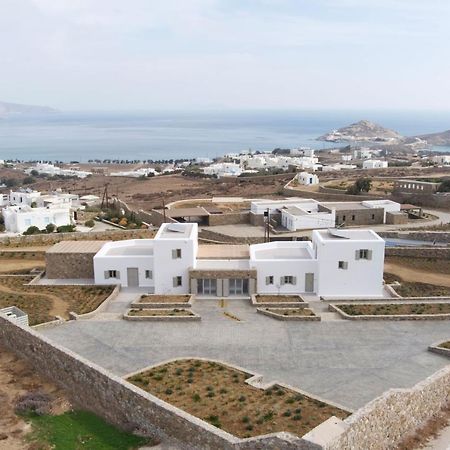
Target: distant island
[
  {"x": 437, "y": 138},
  {"x": 363, "y": 130},
  {"x": 7, "y": 109}
]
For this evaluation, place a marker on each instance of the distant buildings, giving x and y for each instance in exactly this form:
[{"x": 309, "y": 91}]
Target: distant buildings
[
  {"x": 441, "y": 159},
  {"x": 50, "y": 169}
]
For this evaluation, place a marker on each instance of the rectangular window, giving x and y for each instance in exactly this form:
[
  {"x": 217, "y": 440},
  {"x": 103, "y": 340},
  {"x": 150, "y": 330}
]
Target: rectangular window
[
  {"x": 363, "y": 254},
  {"x": 177, "y": 281},
  {"x": 206, "y": 286},
  {"x": 269, "y": 280},
  {"x": 353, "y": 217},
  {"x": 343, "y": 218},
  {"x": 238, "y": 286},
  {"x": 373, "y": 216},
  {"x": 112, "y": 274},
  {"x": 176, "y": 253},
  {"x": 149, "y": 274},
  {"x": 343, "y": 265},
  {"x": 288, "y": 279}
]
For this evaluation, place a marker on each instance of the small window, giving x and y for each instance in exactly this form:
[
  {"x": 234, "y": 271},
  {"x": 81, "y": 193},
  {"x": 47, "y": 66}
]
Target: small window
[
  {"x": 363, "y": 254},
  {"x": 269, "y": 280},
  {"x": 353, "y": 217},
  {"x": 177, "y": 281},
  {"x": 343, "y": 265},
  {"x": 288, "y": 279},
  {"x": 149, "y": 274},
  {"x": 112, "y": 274},
  {"x": 343, "y": 218},
  {"x": 176, "y": 253},
  {"x": 373, "y": 216}
]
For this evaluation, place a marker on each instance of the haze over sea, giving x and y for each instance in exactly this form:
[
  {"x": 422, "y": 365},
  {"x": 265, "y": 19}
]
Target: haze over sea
[{"x": 81, "y": 136}]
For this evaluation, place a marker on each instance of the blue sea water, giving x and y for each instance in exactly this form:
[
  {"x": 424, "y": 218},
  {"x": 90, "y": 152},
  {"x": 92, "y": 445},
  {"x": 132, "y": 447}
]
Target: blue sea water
[{"x": 170, "y": 135}]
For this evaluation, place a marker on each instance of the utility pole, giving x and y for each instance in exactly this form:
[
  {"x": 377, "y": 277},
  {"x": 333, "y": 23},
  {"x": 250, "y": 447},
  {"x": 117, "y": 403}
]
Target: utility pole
[
  {"x": 164, "y": 209},
  {"x": 266, "y": 225}
]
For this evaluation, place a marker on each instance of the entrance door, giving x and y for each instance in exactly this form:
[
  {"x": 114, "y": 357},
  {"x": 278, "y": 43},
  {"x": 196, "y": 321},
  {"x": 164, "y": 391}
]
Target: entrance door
[
  {"x": 238, "y": 286},
  {"x": 309, "y": 282},
  {"x": 132, "y": 277}
]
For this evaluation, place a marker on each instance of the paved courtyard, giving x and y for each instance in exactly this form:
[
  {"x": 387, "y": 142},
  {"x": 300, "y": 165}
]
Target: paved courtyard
[{"x": 347, "y": 362}]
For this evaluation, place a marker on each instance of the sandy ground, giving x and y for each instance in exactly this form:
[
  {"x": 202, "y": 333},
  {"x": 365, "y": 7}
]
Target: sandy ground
[
  {"x": 11, "y": 265},
  {"x": 16, "y": 379},
  {"x": 416, "y": 275}
]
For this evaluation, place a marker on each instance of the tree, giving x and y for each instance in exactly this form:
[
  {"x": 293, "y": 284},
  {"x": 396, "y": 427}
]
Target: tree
[
  {"x": 444, "y": 186},
  {"x": 50, "y": 228},
  {"x": 360, "y": 185}
]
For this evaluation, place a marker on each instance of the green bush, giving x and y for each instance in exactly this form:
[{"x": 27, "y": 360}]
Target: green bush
[
  {"x": 31, "y": 230},
  {"x": 66, "y": 229},
  {"x": 50, "y": 228},
  {"x": 89, "y": 223}
]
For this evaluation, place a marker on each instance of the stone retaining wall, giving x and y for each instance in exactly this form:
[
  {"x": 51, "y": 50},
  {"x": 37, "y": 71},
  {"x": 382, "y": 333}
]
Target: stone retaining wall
[
  {"x": 277, "y": 316},
  {"x": 224, "y": 238},
  {"x": 439, "y": 350},
  {"x": 386, "y": 421},
  {"x": 119, "y": 402},
  {"x": 419, "y": 252},
  {"x": 438, "y": 236},
  {"x": 228, "y": 218}
]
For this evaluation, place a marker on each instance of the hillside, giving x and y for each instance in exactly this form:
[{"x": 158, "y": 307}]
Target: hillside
[
  {"x": 7, "y": 109},
  {"x": 437, "y": 138},
  {"x": 363, "y": 130}
]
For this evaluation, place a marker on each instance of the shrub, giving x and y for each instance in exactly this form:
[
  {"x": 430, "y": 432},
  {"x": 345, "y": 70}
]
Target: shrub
[
  {"x": 89, "y": 223},
  {"x": 242, "y": 398},
  {"x": 33, "y": 403},
  {"x": 168, "y": 391},
  {"x": 50, "y": 228},
  {"x": 245, "y": 419},
  {"x": 214, "y": 420},
  {"x": 196, "y": 397},
  {"x": 31, "y": 230},
  {"x": 66, "y": 229}
]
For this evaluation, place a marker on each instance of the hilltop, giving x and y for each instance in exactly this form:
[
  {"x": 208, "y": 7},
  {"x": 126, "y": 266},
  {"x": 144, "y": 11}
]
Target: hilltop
[
  {"x": 7, "y": 109},
  {"x": 363, "y": 130}
]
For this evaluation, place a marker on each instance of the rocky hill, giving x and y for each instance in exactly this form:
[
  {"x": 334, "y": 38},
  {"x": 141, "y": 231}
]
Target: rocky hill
[
  {"x": 363, "y": 130},
  {"x": 7, "y": 109},
  {"x": 437, "y": 138}
]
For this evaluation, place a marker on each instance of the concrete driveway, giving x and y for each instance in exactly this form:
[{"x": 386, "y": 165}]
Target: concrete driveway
[{"x": 343, "y": 361}]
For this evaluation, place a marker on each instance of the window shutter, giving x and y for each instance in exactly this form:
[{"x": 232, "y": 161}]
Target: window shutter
[
  {"x": 369, "y": 254},
  {"x": 106, "y": 274},
  {"x": 174, "y": 254},
  {"x": 294, "y": 280},
  {"x": 174, "y": 280},
  {"x": 267, "y": 280},
  {"x": 117, "y": 274},
  {"x": 345, "y": 265},
  {"x": 282, "y": 280},
  {"x": 357, "y": 254}
]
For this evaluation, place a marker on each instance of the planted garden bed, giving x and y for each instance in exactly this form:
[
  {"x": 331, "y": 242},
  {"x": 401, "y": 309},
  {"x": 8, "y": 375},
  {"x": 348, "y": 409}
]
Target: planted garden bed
[
  {"x": 219, "y": 395},
  {"x": 410, "y": 289},
  {"x": 159, "y": 314},
  {"x": 442, "y": 348},
  {"x": 394, "y": 310},
  {"x": 289, "y": 313},
  {"x": 278, "y": 300},
  {"x": 163, "y": 301}
]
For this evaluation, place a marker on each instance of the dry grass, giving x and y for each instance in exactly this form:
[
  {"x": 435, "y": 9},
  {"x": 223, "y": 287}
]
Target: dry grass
[
  {"x": 218, "y": 394},
  {"x": 396, "y": 309},
  {"x": 42, "y": 303},
  {"x": 277, "y": 298},
  {"x": 164, "y": 298},
  {"x": 410, "y": 289},
  {"x": 159, "y": 312},
  {"x": 292, "y": 312},
  {"x": 435, "y": 265},
  {"x": 445, "y": 345}
]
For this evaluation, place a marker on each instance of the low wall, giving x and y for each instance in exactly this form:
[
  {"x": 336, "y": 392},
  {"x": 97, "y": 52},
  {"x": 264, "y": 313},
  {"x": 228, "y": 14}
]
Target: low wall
[
  {"x": 419, "y": 252},
  {"x": 439, "y": 350},
  {"x": 121, "y": 403},
  {"x": 229, "y": 218},
  {"x": 386, "y": 421},
  {"x": 53, "y": 238},
  {"x": 224, "y": 238},
  {"x": 438, "y": 236}
]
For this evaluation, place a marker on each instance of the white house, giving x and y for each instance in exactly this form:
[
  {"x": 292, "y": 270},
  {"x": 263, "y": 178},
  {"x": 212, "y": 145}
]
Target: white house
[
  {"x": 307, "y": 179},
  {"x": 50, "y": 169},
  {"x": 441, "y": 159},
  {"x": 307, "y": 217},
  {"x": 19, "y": 218},
  {"x": 374, "y": 164},
  {"x": 337, "y": 263},
  {"x": 223, "y": 170},
  {"x": 388, "y": 206}
]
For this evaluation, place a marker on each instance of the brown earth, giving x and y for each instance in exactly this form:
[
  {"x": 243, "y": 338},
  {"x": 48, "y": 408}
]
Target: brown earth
[
  {"x": 417, "y": 275},
  {"x": 164, "y": 298},
  {"x": 218, "y": 394},
  {"x": 277, "y": 298},
  {"x": 17, "y": 379},
  {"x": 393, "y": 309},
  {"x": 292, "y": 312},
  {"x": 433, "y": 265},
  {"x": 159, "y": 312}
]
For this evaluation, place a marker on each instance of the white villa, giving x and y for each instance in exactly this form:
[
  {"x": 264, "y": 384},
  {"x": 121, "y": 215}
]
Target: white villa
[
  {"x": 374, "y": 164},
  {"x": 307, "y": 179},
  {"x": 50, "y": 169},
  {"x": 337, "y": 263}
]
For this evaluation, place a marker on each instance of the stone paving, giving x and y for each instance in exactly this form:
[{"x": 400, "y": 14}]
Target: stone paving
[{"x": 343, "y": 361}]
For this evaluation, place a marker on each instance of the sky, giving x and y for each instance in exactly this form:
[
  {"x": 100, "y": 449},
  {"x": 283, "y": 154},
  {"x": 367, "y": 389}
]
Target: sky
[{"x": 226, "y": 54}]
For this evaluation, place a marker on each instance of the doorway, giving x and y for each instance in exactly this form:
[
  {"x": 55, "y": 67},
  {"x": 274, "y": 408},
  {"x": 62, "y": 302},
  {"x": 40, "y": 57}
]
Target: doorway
[
  {"x": 309, "y": 282},
  {"x": 238, "y": 286},
  {"x": 132, "y": 277}
]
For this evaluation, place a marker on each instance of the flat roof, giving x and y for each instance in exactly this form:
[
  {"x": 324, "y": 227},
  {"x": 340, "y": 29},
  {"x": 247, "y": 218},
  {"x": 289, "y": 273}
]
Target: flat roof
[
  {"x": 341, "y": 206},
  {"x": 130, "y": 250},
  {"x": 77, "y": 247},
  {"x": 345, "y": 235},
  {"x": 283, "y": 253},
  {"x": 223, "y": 264},
  {"x": 223, "y": 252},
  {"x": 175, "y": 231}
]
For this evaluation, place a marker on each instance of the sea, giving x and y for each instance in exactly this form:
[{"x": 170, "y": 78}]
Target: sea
[{"x": 84, "y": 136}]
